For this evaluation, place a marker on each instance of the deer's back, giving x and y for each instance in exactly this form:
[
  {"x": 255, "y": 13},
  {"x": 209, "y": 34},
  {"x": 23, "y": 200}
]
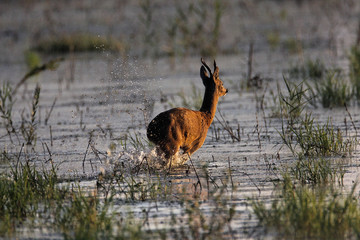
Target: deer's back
[{"x": 178, "y": 124}]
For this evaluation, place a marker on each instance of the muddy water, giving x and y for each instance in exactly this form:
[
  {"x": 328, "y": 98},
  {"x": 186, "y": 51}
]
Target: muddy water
[{"x": 111, "y": 100}]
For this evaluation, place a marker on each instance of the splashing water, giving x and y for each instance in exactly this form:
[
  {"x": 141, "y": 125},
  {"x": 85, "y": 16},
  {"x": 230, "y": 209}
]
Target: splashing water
[{"x": 151, "y": 159}]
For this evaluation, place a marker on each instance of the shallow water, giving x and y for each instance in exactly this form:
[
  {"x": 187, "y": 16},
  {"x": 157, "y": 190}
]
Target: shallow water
[
  {"x": 112, "y": 99},
  {"x": 109, "y": 108}
]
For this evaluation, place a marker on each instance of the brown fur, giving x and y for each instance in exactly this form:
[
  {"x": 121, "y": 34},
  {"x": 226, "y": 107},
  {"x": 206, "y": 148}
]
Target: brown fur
[{"x": 184, "y": 128}]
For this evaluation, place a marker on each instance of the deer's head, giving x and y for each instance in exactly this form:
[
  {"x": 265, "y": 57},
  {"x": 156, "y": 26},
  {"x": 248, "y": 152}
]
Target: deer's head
[{"x": 212, "y": 81}]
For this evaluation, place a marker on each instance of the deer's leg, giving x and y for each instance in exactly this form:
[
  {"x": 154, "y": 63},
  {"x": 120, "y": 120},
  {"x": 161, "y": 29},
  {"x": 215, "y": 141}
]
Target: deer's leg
[
  {"x": 193, "y": 149},
  {"x": 195, "y": 146},
  {"x": 170, "y": 149}
]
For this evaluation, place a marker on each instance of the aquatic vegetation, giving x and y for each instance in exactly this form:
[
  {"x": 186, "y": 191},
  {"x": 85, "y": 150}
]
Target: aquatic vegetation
[
  {"x": 307, "y": 203},
  {"x": 226, "y": 131},
  {"x": 150, "y": 37},
  {"x": 84, "y": 217},
  {"x": 134, "y": 140},
  {"x": 299, "y": 131},
  {"x": 313, "y": 139},
  {"x": 187, "y": 33},
  {"x": 303, "y": 212},
  {"x": 130, "y": 185},
  {"x": 309, "y": 70},
  {"x": 199, "y": 225},
  {"x": 293, "y": 103},
  {"x": 28, "y": 127},
  {"x": 25, "y": 194},
  {"x": 100, "y": 120},
  {"x": 316, "y": 171},
  {"x": 354, "y": 59},
  {"x": 333, "y": 90},
  {"x": 6, "y": 106},
  {"x": 330, "y": 86},
  {"x": 29, "y": 194}
]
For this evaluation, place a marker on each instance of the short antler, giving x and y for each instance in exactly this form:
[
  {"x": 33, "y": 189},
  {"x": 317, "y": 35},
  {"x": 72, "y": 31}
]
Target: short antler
[
  {"x": 215, "y": 65},
  {"x": 207, "y": 67}
]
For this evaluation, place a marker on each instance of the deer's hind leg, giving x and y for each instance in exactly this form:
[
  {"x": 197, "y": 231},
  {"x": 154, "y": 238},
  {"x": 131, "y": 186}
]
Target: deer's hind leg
[
  {"x": 169, "y": 148},
  {"x": 195, "y": 145}
]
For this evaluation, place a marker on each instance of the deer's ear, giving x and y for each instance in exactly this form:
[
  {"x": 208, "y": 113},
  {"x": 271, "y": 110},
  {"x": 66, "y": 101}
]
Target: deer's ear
[{"x": 204, "y": 75}]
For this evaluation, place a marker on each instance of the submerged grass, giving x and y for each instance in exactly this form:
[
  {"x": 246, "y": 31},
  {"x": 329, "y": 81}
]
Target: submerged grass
[{"x": 303, "y": 212}]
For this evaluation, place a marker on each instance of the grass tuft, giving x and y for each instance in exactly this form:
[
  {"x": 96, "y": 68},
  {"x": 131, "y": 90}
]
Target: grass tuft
[
  {"x": 316, "y": 140},
  {"x": 317, "y": 171},
  {"x": 333, "y": 91},
  {"x": 303, "y": 212},
  {"x": 294, "y": 101},
  {"x": 21, "y": 192},
  {"x": 309, "y": 70}
]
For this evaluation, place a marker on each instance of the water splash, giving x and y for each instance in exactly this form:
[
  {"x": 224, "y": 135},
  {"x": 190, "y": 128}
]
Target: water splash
[{"x": 152, "y": 159}]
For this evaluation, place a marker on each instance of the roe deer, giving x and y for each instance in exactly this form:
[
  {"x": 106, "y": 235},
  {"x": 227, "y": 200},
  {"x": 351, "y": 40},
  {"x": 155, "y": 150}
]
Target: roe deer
[{"x": 184, "y": 128}]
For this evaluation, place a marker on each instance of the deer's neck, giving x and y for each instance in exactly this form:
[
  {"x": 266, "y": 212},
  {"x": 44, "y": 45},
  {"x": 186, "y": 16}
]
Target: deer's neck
[{"x": 209, "y": 104}]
